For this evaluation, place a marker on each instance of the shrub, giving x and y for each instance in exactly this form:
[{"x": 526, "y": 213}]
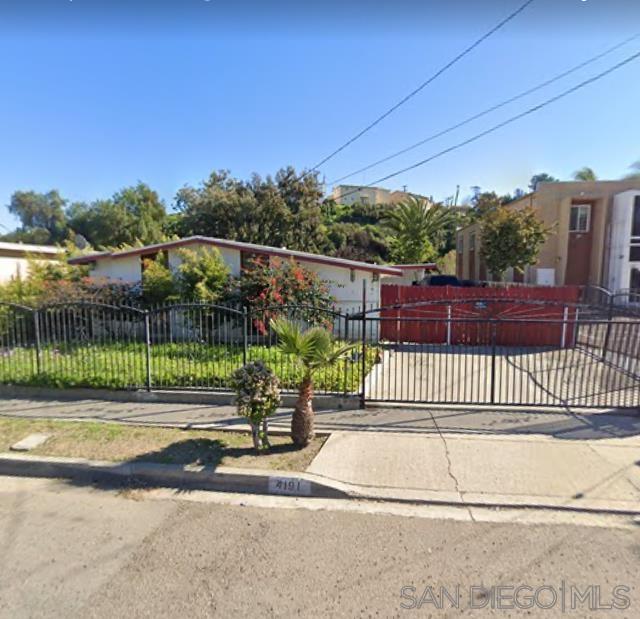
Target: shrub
[
  {"x": 257, "y": 397},
  {"x": 202, "y": 275},
  {"x": 158, "y": 283},
  {"x": 267, "y": 286}
]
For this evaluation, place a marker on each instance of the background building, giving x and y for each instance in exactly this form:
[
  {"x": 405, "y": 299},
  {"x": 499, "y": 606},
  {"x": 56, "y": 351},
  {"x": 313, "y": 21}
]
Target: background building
[
  {"x": 355, "y": 194},
  {"x": 595, "y": 236},
  {"x": 15, "y": 258}
]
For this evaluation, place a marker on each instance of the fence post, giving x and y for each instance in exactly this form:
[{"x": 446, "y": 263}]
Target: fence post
[
  {"x": 245, "y": 335},
  {"x": 36, "y": 324},
  {"x": 363, "y": 360},
  {"x": 448, "y": 325},
  {"x": 607, "y": 335},
  {"x": 147, "y": 341},
  {"x": 565, "y": 319},
  {"x": 493, "y": 360}
]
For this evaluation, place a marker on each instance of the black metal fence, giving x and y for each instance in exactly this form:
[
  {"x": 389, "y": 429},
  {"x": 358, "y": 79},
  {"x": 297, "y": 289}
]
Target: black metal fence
[
  {"x": 593, "y": 363},
  {"x": 590, "y": 355},
  {"x": 179, "y": 346}
]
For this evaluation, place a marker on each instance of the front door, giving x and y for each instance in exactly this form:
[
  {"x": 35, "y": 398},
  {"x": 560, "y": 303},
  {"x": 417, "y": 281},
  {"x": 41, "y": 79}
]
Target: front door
[{"x": 579, "y": 245}]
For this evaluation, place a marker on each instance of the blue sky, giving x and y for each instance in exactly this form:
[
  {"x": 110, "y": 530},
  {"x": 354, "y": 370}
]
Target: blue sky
[{"x": 99, "y": 94}]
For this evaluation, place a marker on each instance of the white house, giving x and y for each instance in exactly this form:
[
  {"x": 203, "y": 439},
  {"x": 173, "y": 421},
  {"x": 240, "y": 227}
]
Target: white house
[
  {"x": 346, "y": 278},
  {"x": 15, "y": 258}
]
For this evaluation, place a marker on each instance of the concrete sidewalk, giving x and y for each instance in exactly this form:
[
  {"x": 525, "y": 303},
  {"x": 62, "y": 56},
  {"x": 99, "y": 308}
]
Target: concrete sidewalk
[
  {"x": 533, "y": 471},
  {"x": 457, "y": 456},
  {"x": 493, "y": 421}
]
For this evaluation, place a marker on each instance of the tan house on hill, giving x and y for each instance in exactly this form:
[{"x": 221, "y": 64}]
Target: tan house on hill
[
  {"x": 356, "y": 194},
  {"x": 595, "y": 237}
]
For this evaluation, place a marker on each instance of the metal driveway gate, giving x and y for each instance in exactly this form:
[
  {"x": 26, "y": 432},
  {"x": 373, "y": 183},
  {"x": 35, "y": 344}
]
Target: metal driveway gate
[{"x": 488, "y": 351}]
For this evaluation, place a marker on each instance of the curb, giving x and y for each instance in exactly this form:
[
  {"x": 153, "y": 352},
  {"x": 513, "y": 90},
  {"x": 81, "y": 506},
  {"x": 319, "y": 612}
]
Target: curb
[
  {"x": 200, "y": 477},
  {"x": 279, "y": 483}
]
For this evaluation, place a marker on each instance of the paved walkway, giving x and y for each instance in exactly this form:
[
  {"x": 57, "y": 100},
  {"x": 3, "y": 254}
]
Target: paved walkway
[
  {"x": 534, "y": 471},
  {"x": 468, "y": 457},
  {"x": 557, "y": 423}
]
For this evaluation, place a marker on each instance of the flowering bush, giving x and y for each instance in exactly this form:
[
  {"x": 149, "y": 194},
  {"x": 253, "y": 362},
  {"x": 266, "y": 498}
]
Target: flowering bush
[
  {"x": 257, "y": 397},
  {"x": 266, "y": 285}
]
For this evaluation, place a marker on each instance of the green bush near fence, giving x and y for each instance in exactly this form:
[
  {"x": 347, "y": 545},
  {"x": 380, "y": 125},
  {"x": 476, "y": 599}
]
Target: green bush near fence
[{"x": 177, "y": 365}]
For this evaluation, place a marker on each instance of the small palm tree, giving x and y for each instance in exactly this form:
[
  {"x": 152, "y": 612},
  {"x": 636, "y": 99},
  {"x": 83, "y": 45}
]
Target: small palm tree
[
  {"x": 585, "y": 174},
  {"x": 418, "y": 227},
  {"x": 313, "y": 350}
]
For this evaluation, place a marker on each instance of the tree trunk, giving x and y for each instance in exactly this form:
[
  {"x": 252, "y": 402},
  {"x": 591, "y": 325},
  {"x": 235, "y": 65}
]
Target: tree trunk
[
  {"x": 255, "y": 435},
  {"x": 265, "y": 434},
  {"x": 302, "y": 421}
]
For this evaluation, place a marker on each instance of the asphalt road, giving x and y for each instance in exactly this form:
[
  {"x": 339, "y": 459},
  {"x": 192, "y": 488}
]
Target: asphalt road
[{"x": 69, "y": 551}]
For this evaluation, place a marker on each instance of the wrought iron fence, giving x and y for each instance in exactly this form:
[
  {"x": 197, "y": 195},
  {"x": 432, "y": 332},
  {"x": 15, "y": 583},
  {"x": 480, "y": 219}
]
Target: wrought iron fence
[
  {"x": 474, "y": 353},
  {"x": 177, "y": 346}
]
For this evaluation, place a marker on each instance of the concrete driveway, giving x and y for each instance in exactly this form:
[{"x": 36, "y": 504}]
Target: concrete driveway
[{"x": 534, "y": 376}]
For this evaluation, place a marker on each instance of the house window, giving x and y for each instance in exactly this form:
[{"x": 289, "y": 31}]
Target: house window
[
  {"x": 579, "y": 218},
  {"x": 364, "y": 200},
  {"x": 460, "y": 244},
  {"x": 375, "y": 277},
  {"x": 472, "y": 242},
  {"x": 352, "y": 275}
]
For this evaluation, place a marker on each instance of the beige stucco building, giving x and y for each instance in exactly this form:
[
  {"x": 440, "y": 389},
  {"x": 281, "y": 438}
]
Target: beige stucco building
[
  {"x": 595, "y": 236},
  {"x": 355, "y": 194}
]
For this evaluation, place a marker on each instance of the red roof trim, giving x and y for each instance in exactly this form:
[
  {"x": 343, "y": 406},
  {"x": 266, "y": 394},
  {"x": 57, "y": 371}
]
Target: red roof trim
[{"x": 259, "y": 249}]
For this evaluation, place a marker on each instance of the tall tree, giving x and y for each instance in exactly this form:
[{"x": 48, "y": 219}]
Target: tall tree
[
  {"x": 585, "y": 174},
  {"x": 511, "y": 238},
  {"x": 133, "y": 215},
  {"x": 282, "y": 212},
  {"x": 543, "y": 177},
  {"x": 42, "y": 216},
  {"x": 417, "y": 227}
]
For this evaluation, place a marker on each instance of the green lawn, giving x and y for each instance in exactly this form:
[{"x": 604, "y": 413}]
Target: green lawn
[{"x": 123, "y": 366}]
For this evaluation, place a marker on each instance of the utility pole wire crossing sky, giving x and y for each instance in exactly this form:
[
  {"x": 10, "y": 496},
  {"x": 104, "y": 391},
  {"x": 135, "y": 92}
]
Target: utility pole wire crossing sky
[
  {"x": 502, "y": 124},
  {"x": 424, "y": 84},
  {"x": 489, "y": 110}
]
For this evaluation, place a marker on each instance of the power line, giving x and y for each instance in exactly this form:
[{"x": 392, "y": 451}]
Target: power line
[
  {"x": 504, "y": 123},
  {"x": 414, "y": 92},
  {"x": 488, "y": 110}
]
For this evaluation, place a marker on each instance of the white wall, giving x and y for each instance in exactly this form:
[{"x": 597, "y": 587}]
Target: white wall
[
  {"x": 127, "y": 269},
  {"x": 12, "y": 267},
  {"x": 620, "y": 246},
  {"x": 348, "y": 293}
]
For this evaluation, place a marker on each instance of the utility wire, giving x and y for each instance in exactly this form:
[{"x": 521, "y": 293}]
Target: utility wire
[
  {"x": 414, "y": 92},
  {"x": 504, "y": 123},
  {"x": 489, "y": 110}
]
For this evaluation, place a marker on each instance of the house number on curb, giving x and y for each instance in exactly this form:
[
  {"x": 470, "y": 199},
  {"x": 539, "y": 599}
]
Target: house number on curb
[{"x": 289, "y": 485}]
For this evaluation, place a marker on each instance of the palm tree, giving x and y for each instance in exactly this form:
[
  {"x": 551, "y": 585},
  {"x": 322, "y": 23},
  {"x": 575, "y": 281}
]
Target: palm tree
[
  {"x": 418, "y": 227},
  {"x": 585, "y": 174},
  {"x": 313, "y": 350}
]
